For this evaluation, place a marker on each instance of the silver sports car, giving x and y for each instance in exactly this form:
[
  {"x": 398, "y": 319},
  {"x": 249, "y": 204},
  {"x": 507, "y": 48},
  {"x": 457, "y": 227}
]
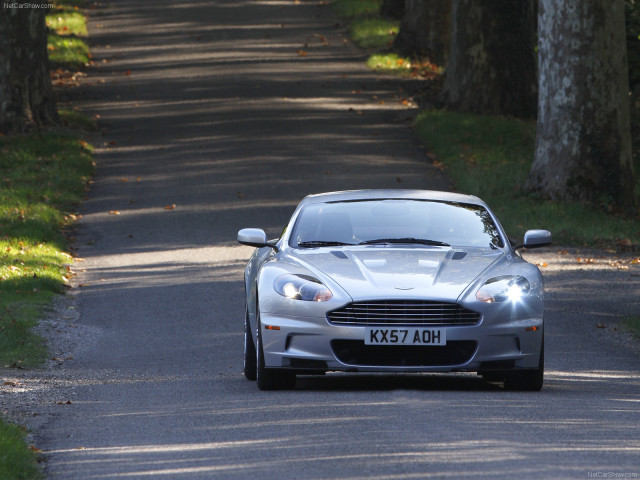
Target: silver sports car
[{"x": 393, "y": 281}]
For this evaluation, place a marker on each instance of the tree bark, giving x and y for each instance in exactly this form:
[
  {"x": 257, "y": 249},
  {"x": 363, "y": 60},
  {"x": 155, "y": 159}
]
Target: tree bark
[
  {"x": 492, "y": 63},
  {"x": 26, "y": 96},
  {"x": 583, "y": 141},
  {"x": 392, "y": 8},
  {"x": 425, "y": 30}
]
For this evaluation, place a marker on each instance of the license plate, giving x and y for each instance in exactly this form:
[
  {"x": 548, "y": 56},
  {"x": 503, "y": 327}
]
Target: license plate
[{"x": 404, "y": 336}]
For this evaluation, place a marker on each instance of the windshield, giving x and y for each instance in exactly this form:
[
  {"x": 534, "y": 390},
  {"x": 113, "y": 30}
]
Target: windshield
[{"x": 394, "y": 222}]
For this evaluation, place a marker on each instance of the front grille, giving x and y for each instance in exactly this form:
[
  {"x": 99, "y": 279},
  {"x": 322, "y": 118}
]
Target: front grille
[
  {"x": 355, "y": 352},
  {"x": 403, "y": 312}
]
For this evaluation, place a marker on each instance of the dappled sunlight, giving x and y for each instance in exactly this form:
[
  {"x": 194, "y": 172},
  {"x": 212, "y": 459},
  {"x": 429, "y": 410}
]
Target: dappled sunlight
[
  {"x": 212, "y": 120},
  {"x": 303, "y": 431}
]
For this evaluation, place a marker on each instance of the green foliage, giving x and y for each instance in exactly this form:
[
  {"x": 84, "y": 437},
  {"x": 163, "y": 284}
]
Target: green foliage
[
  {"x": 367, "y": 29},
  {"x": 42, "y": 177},
  {"x": 67, "y": 21},
  {"x": 394, "y": 63},
  {"x": 69, "y": 51},
  {"x": 17, "y": 460},
  {"x": 491, "y": 157},
  {"x": 66, "y": 24},
  {"x": 73, "y": 119},
  {"x": 350, "y": 9},
  {"x": 375, "y": 33},
  {"x": 389, "y": 63},
  {"x": 632, "y": 323}
]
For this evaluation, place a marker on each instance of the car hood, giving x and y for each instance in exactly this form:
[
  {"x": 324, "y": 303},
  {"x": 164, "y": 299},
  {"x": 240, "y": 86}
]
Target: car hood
[{"x": 385, "y": 272}]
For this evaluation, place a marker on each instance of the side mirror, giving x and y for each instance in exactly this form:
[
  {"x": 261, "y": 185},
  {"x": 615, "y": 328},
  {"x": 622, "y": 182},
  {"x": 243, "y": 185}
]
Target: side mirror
[
  {"x": 536, "y": 238},
  {"x": 254, "y": 237}
]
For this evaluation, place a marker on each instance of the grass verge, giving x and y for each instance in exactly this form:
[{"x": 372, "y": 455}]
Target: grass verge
[
  {"x": 366, "y": 27},
  {"x": 369, "y": 30},
  {"x": 491, "y": 157},
  {"x": 488, "y": 156},
  {"x": 42, "y": 177},
  {"x": 374, "y": 32},
  {"x": 67, "y": 26},
  {"x": 17, "y": 460},
  {"x": 632, "y": 323},
  {"x": 396, "y": 64},
  {"x": 351, "y": 9}
]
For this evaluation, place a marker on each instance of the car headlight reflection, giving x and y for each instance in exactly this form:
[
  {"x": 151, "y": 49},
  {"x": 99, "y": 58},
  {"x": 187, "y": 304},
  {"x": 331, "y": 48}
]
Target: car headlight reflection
[
  {"x": 302, "y": 287},
  {"x": 502, "y": 289}
]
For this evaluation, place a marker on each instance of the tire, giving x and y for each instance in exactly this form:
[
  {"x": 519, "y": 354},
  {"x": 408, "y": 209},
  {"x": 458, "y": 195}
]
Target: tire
[
  {"x": 527, "y": 380},
  {"x": 250, "y": 361},
  {"x": 271, "y": 378}
]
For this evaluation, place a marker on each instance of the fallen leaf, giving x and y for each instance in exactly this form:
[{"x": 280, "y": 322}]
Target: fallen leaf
[
  {"x": 170, "y": 207},
  {"x": 601, "y": 325},
  {"x": 114, "y": 212},
  {"x": 585, "y": 260},
  {"x": 302, "y": 53},
  {"x": 542, "y": 264}
]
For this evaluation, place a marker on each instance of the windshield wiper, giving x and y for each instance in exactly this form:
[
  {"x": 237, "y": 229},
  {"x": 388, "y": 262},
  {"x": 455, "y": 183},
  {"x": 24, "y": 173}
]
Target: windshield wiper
[
  {"x": 421, "y": 241},
  {"x": 321, "y": 243}
]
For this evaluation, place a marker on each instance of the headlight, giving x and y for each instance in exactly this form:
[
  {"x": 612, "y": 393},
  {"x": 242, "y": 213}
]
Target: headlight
[
  {"x": 302, "y": 287},
  {"x": 501, "y": 289}
]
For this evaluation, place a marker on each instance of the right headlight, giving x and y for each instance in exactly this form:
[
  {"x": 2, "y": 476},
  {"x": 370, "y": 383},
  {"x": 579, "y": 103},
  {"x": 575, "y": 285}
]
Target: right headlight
[
  {"x": 302, "y": 287},
  {"x": 502, "y": 289}
]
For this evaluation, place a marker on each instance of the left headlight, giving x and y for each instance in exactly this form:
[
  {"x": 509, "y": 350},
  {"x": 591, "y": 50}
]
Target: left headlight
[
  {"x": 501, "y": 289},
  {"x": 302, "y": 287}
]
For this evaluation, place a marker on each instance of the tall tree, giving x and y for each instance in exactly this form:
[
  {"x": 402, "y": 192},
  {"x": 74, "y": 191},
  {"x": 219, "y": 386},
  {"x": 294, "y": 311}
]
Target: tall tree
[
  {"x": 425, "y": 30},
  {"x": 492, "y": 63},
  {"x": 26, "y": 95},
  {"x": 583, "y": 142}
]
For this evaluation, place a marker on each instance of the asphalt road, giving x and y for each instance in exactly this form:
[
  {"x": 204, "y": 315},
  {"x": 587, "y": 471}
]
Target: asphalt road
[{"x": 218, "y": 115}]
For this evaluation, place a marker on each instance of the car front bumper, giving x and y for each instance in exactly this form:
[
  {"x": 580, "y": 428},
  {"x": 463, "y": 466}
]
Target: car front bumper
[{"x": 314, "y": 344}]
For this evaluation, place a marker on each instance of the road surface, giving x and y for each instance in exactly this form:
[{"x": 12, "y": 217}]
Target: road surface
[{"x": 218, "y": 115}]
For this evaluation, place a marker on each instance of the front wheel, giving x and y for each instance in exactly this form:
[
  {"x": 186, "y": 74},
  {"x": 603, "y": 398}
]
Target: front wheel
[
  {"x": 250, "y": 360},
  {"x": 272, "y": 378},
  {"x": 527, "y": 380}
]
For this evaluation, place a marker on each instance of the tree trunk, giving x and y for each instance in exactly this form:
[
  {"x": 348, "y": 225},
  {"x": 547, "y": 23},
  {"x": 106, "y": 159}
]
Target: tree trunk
[
  {"x": 583, "y": 142},
  {"x": 425, "y": 29},
  {"x": 26, "y": 95},
  {"x": 392, "y": 8},
  {"x": 492, "y": 64}
]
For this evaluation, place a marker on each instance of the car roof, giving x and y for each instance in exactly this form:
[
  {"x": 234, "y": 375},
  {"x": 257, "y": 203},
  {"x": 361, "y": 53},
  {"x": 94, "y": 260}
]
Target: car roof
[{"x": 355, "y": 195}]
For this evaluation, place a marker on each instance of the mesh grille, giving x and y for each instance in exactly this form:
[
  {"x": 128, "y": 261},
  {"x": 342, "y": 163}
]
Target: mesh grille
[{"x": 403, "y": 312}]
